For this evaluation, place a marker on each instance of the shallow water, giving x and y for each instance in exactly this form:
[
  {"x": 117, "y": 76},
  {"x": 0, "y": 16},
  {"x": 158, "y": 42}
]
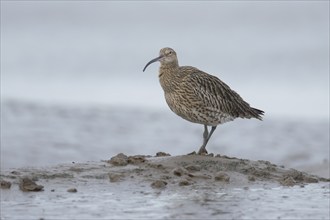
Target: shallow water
[
  {"x": 128, "y": 200},
  {"x": 40, "y": 135}
]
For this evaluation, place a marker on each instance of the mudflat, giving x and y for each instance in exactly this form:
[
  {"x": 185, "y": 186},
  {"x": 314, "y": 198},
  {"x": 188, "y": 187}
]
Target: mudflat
[{"x": 164, "y": 187}]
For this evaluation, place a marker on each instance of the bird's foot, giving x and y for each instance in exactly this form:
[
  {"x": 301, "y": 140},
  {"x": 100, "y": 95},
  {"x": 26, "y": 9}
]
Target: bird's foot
[{"x": 202, "y": 151}]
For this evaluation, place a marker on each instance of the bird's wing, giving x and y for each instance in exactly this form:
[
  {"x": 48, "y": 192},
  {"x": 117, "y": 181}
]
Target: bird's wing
[{"x": 214, "y": 94}]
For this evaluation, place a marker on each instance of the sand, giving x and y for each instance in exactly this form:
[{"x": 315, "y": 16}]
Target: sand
[{"x": 162, "y": 187}]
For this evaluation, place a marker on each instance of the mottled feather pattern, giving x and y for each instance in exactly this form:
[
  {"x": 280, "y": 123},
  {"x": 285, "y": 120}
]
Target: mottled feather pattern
[{"x": 200, "y": 97}]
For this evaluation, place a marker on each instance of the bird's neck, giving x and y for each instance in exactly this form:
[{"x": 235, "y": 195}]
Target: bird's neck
[
  {"x": 169, "y": 66},
  {"x": 169, "y": 77},
  {"x": 168, "y": 69}
]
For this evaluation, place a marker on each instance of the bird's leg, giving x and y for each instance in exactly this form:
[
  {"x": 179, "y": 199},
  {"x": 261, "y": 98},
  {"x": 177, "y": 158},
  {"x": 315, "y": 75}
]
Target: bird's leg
[
  {"x": 206, "y": 138},
  {"x": 212, "y": 130},
  {"x": 202, "y": 149}
]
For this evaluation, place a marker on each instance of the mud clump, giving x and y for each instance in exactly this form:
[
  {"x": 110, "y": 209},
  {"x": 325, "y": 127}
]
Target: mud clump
[
  {"x": 119, "y": 160},
  {"x": 26, "y": 184},
  {"x": 257, "y": 172},
  {"x": 179, "y": 171},
  {"x": 180, "y": 186},
  {"x": 222, "y": 176},
  {"x": 193, "y": 168},
  {"x": 288, "y": 181},
  {"x": 251, "y": 178},
  {"x": 200, "y": 176},
  {"x": 5, "y": 184},
  {"x": 184, "y": 183},
  {"x": 122, "y": 159},
  {"x": 162, "y": 154},
  {"x": 187, "y": 170},
  {"x": 15, "y": 173},
  {"x": 72, "y": 190},
  {"x": 294, "y": 177},
  {"x": 114, "y": 177},
  {"x": 159, "y": 184},
  {"x": 136, "y": 159}
]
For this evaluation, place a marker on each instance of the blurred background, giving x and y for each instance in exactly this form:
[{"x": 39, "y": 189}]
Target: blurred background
[{"x": 72, "y": 86}]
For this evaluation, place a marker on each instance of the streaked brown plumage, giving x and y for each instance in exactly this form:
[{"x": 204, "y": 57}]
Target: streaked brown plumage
[{"x": 199, "y": 97}]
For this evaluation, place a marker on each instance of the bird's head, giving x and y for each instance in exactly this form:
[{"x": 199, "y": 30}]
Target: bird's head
[{"x": 167, "y": 56}]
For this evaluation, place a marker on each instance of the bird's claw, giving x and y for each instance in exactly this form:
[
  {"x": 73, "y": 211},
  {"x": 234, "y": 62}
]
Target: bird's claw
[{"x": 202, "y": 151}]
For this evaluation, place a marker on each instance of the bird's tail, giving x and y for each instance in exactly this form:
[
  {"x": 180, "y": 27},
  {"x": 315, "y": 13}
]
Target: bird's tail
[{"x": 257, "y": 113}]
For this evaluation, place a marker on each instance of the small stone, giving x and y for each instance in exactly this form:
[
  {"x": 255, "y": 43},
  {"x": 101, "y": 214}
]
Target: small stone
[
  {"x": 162, "y": 154},
  {"x": 5, "y": 184},
  {"x": 26, "y": 184},
  {"x": 72, "y": 190},
  {"x": 222, "y": 176},
  {"x": 210, "y": 155},
  {"x": 159, "y": 184},
  {"x": 119, "y": 160}
]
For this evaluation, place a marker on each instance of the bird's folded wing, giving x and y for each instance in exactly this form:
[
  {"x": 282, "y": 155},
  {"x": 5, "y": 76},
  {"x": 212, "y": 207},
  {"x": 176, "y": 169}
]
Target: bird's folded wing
[{"x": 214, "y": 94}]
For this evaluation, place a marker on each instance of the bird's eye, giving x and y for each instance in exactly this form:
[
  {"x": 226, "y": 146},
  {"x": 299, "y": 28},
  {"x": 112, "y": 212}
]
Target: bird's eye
[{"x": 170, "y": 52}]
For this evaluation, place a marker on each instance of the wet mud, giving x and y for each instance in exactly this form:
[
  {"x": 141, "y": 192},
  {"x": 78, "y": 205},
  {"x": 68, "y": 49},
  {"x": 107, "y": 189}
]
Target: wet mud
[{"x": 203, "y": 180}]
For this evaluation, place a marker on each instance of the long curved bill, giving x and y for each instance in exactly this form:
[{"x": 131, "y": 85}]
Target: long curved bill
[{"x": 152, "y": 61}]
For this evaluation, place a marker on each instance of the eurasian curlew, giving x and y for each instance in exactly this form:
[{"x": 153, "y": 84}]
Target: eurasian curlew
[{"x": 199, "y": 97}]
